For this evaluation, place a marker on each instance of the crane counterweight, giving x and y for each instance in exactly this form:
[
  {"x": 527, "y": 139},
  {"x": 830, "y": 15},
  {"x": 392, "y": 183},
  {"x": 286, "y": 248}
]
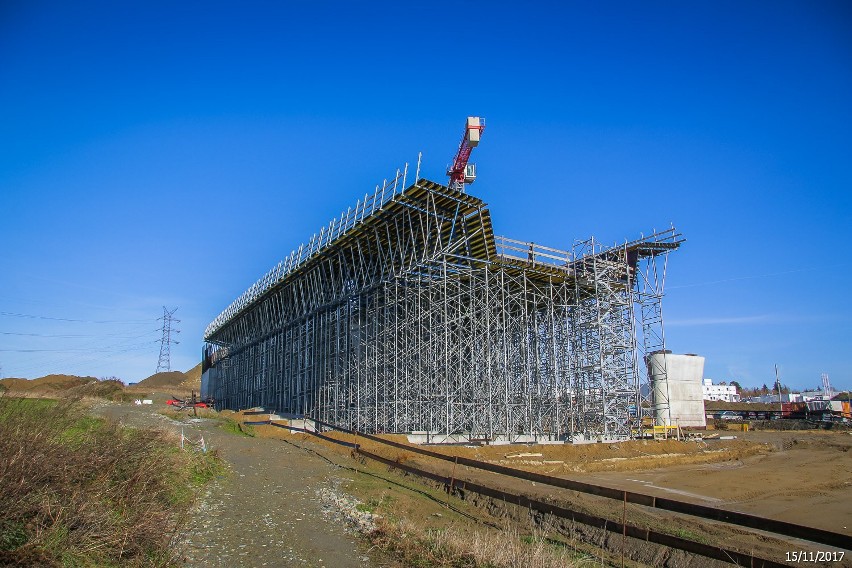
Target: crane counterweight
[{"x": 461, "y": 172}]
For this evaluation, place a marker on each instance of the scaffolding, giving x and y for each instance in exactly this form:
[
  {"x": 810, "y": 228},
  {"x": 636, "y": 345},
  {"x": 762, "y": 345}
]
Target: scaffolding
[{"x": 406, "y": 314}]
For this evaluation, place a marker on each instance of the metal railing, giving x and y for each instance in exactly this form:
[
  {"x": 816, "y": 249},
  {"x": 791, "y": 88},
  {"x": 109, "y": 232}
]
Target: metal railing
[
  {"x": 338, "y": 227},
  {"x": 531, "y": 252}
]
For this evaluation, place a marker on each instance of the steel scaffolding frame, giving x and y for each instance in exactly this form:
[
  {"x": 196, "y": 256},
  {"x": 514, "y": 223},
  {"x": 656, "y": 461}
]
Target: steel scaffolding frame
[{"x": 408, "y": 315}]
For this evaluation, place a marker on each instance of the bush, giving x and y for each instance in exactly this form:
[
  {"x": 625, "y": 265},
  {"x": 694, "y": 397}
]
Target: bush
[
  {"x": 109, "y": 389},
  {"x": 81, "y": 491}
]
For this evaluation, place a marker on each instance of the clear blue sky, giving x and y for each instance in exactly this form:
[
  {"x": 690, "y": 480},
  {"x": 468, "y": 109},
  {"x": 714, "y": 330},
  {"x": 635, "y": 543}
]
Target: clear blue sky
[{"x": 170, "y": 153}]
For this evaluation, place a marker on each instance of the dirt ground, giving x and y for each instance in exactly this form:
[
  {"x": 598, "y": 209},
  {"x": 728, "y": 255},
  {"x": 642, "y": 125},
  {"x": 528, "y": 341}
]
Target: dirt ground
[
  {"x": 268, "y": 510},
  {"x": 265, "y": 511},
  {"x": 801, "y": 477},
  {"x": 805, "y": 479}
]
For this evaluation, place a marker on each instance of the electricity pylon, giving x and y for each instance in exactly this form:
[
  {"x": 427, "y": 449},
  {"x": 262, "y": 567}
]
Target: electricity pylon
[{"x": 164, "y": 363}]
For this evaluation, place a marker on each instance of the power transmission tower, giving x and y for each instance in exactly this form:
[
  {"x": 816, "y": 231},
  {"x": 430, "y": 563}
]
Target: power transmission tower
[{"x": 164, "y": 364}]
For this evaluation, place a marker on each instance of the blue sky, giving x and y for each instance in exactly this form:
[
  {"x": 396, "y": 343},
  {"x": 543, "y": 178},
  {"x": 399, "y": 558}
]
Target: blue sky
[{"x": 161, "y": 153}]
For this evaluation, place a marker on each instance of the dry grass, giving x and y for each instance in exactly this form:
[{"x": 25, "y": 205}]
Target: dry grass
[
  {"x": 80, "y": 491},
  {"x": 457, "y": 548},
  {"x": 109, "y": 389},
  {"x": 51, "y": 387},
  {"x": 48, "y": 383}
]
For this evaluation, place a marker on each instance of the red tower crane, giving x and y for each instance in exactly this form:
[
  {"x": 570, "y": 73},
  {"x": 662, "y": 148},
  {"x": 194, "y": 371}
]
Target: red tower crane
[{"x": 461, "y": 172}]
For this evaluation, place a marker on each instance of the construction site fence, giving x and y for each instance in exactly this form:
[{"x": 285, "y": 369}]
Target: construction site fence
[
  {"x": 711, "y": 513},
  {"x": 648, "y": 535}
]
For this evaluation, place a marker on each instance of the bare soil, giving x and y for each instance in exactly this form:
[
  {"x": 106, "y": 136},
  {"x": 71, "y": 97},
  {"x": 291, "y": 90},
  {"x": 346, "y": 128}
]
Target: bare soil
[
  {"x": 805, "y": 479},
  {"x": 265, "y": 510},
  {"x": 800, "y": 477},
  {"x": 268, "y": 510}
]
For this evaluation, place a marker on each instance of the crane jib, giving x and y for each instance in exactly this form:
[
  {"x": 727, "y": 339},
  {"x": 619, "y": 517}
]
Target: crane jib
[{"x": 459, "y": 173}]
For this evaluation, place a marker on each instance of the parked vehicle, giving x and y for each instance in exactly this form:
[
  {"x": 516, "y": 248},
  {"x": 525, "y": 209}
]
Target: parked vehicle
[{"x": 729, "y": 415}]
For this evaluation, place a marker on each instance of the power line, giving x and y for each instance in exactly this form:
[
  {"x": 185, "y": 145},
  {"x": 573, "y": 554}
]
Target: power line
[
  {"x": 69, "y": 362},
  {"x": 82, "y": 350},
  {"x": 35, "y": 359},
  {"x": 68, "y": 336},
  {"x": 60, "y": 359},
  {"x": 31, "y": 316}
]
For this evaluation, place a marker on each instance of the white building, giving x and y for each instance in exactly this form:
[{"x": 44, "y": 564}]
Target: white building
[
  {"x": 728, "y": 393},
  {"x": 807, "y": 396}
]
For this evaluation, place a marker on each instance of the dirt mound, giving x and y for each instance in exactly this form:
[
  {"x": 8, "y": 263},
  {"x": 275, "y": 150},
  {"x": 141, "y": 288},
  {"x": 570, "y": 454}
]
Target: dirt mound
[
  {"x": 14, "y": 384},
  {"x": 167, "y": 379},
  {"x": 46, "y": 383},
  {"x": 109, "y": 389},
  {"x": 173, "y": 380},
  {"x": 193, "y": 378}
]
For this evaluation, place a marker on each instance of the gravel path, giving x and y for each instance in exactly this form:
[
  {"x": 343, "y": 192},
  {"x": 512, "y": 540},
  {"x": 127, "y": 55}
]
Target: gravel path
[{"x": 277, "y": 506}]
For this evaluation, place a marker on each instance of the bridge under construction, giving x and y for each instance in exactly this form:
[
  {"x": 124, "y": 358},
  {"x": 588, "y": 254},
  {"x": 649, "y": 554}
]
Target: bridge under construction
[{"x": 406, "y": 314}]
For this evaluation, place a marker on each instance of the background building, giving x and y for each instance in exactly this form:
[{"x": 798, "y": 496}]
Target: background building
[{"x": 728, "y": 393}]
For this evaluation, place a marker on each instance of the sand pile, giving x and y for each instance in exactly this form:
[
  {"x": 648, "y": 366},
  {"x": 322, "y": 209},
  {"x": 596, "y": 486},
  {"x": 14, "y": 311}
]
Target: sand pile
[{"x": 164, "y": 380}]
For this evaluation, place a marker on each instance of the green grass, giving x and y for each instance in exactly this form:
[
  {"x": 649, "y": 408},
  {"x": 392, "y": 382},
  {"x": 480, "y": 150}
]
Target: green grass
[
  {"x": 233, "y": 427},
  {"x": 201, "y": 469},
  {"x": 13, "y": 534},
  {"x": 384, "y": 502},
  {"x": 691, "y": 535},
  {"x": 225, "y": 422},
  {"x": 81, "y": 431},
  {"x": 17, "y": 406}
]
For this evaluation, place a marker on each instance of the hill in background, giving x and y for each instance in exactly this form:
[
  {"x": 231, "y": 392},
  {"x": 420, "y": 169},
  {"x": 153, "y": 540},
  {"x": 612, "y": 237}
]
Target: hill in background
[
  {"x": 46, "y": 383},
  {"x": 173, "y": 380},
  {"x": 166, "y": 379},
  {"x": 193, "y": 378},
  {"x": 190, "y": 380}
]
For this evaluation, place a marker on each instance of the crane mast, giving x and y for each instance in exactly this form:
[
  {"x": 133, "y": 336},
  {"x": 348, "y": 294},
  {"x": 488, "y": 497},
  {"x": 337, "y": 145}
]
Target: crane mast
[{"x": 461, "y": 172}]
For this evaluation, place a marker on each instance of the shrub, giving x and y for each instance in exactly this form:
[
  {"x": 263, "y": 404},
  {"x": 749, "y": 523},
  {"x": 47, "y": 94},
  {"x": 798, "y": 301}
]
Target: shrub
[
  {"x": 110, "y": 389},
  {"x": 80, "y": 491}
]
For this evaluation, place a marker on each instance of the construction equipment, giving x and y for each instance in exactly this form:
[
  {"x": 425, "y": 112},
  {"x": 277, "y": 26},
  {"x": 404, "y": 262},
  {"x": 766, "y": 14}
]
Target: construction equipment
[
  {"x": 191, "y": 402},
  {"x": 461, "y": 172}
]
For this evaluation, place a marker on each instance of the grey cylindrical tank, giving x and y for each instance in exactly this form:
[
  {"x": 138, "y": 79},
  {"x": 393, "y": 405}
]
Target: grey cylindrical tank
[{"x": 676, "y": 391}]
